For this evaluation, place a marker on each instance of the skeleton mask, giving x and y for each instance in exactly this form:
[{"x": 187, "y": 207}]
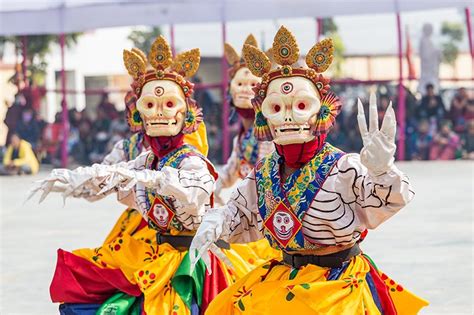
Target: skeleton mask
[
  {"x": 291, "y": 108},
  {"x": 283, "y": 224},
  {"x": 161, "y": 215},
  {"x": 162, "y": 106},
  {"x": 241, "y": 88}
]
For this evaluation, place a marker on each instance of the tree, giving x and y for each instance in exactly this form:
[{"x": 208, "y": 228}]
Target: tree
[
  {"x": 143, "y": 38},
  {"x": 37, "y": 48},
  {"x": 330, "y": 30},
  {"x": 453, "y": 34}
]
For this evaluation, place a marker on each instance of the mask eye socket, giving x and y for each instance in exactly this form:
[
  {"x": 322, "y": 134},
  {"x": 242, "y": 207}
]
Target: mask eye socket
[
  {"x": 146, "y": 103},
  {"x": 301, "y": 105},
  {"x": 276, "y": 108},
  {"x": 169, "y": 104},
  {"x": 239, "y": 84}
]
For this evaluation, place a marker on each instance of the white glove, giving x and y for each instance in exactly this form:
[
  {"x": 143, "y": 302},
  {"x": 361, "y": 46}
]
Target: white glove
[
  {"x": 379, "y": 145},
  {"x": 211, "y": 229},
  {"x": 64, "y": 181}
]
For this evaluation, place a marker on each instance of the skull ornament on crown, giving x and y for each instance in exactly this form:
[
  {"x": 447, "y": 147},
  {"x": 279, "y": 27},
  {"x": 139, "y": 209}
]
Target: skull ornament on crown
[
  {"x": 161, "y": 101},
  {"x": 242, "y": 80},
  {"x": 292, "y": 104}
]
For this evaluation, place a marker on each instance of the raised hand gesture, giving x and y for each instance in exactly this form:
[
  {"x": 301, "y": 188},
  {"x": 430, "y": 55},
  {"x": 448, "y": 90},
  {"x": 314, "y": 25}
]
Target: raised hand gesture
[{"x": 379, "y": 144}]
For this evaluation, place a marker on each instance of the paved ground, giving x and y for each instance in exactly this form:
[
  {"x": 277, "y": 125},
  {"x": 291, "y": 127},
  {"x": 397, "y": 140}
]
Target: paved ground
[{"x": 427, "y": 247}]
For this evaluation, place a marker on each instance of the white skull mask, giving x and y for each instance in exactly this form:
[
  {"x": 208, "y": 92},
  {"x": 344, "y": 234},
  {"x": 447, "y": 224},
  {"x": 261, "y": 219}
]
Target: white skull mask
[
  {"x": 162, "y": 106},
  {"x": 283, "y": 224},
  {"x": 291, "y": 107},
  {"x": 161, "y": 215},
  {"x": 241, "y": 88}
]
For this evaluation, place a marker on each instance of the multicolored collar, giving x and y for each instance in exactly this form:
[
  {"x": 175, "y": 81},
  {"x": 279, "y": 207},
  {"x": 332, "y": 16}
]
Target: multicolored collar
[
  {"x": 133, "y": 146},
  {"x": 282, "y": 205},
  {"x": 248, "y": 152}
]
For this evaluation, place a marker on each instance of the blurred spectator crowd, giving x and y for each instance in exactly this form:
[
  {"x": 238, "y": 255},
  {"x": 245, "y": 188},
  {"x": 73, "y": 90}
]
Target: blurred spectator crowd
[
  {"x": 89, "y": 140},
  {"x": 434, "y": 131}
]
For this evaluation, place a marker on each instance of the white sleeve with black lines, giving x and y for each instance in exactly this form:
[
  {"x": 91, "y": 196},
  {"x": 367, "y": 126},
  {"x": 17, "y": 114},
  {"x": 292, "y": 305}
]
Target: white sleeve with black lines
[
  {"x": 190, "y": 186},
  {"x": 376, "y": 198},
  {"x": 241, "y": 213}
]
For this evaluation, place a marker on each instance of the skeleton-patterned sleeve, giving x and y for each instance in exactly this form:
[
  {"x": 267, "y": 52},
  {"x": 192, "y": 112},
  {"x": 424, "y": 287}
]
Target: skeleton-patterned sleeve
[
  {"x": 104, "y": 173},
  {"x": 117, "y": 154},
  {"x": 242, "y": 219},
  {"x": 229, "y": 173},
  {"x": 375, "y": 198},
  {"x": 190, "y": 185}
]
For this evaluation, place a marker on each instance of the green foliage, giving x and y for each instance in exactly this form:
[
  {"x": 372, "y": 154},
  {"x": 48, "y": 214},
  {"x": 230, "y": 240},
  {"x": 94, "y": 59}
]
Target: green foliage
[
  {"x": 329, "y": 26},
  {"x": 453, "y": 34},
  {"x": 330, "y": 30},
  {"x": 143, "y": 38},
  {"x": 37, "y": 48},
  {"x": 453, "y": 30}
]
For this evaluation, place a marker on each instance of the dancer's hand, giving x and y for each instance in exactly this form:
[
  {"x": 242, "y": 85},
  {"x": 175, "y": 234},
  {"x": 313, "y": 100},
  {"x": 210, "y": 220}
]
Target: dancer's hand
[
  {"x": 379, "y": 145},
  {"x": 61, "y": 180},
  {"x": 210, "y": 230}
]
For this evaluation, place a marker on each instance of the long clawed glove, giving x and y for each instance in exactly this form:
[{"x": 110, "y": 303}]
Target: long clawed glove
[
  {"x": 379, "y": 145},
  {"x": 211, "y": 229},
  {"x": 95, "y": 180},
  {"x": 65, "y": 181}
]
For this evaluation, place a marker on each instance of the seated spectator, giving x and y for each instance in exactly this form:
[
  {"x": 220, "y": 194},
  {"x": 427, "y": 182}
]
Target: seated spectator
[
  {"x": 353, "y": 138},
  {"x": 80, "y": 152},
  {"x": 419, "y": 142},
  {"x": 29, "y": 127},
  {"x": 109, "y": 108},
  {"x": 468, "y": 141},
  {"x": 100, "y": 135},
  {"x": 457, "y": 111},
  {"x": 431, "y": 106},
  {"x": 13, "y": 114},
  {"x": 19, "y": 158},
  {"x": 384, "y": 101},
  {"x": 337, "y": 137},
  {"x": 445, "y": 143},
  {"x": 469, "y": 115}
]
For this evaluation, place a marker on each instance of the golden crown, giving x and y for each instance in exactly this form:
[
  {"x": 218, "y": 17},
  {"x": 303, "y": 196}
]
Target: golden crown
[
  {"x": 235, "y": 61},
  {"x": 285, "y": 52},
  {"x": 165, "y": 67}
]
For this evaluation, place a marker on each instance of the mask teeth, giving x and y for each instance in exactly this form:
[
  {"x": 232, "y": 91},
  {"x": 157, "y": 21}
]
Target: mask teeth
[{"x": 170, "y": 123}]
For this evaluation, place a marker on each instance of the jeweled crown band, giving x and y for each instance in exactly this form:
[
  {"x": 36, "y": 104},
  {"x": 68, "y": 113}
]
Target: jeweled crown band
[{"x": 152, "y": 75}]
